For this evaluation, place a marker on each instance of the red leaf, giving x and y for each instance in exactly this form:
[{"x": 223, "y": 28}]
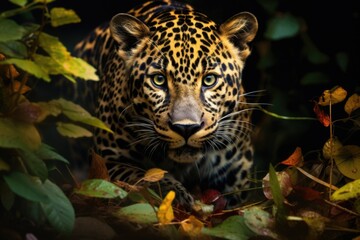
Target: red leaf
[
  {"x": 307, "y": 193},
  {"x": 321, "y": 115},
  {"x": 295, "y": 158}
]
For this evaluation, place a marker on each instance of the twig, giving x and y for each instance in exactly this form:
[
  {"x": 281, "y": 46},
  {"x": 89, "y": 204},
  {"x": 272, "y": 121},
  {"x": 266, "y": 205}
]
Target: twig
[
  {"x": 317, "y": 179},
  {"x": 342, "y": 208}
]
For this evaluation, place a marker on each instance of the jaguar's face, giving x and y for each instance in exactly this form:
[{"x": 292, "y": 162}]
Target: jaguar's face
[{"x": 185, "y": 79}]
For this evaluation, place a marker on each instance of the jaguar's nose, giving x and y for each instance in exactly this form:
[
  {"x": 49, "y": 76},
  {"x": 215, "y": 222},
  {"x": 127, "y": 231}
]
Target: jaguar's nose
[{"x": 185, "y": 130}]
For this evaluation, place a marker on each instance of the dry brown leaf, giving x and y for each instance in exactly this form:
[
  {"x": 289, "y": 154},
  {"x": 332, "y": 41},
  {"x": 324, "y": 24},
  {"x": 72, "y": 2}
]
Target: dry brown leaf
[
  {"x": 98, "y": 168},
  {"x": 352, "y": 103},
  {"x": 335, "y": 95},
  {"x": 154, "y": 175}
]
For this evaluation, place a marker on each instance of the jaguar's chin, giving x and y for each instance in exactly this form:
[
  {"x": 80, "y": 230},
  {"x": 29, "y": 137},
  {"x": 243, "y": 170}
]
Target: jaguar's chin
[{"x": 185, "y": 154}]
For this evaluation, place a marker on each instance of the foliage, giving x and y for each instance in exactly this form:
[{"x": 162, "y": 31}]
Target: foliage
[{"x": 27, "y": 52}]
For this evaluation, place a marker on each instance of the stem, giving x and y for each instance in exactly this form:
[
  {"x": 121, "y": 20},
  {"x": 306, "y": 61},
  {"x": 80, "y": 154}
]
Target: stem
[
  {"x": 284, "y": 117},
  {"x": 331, "y": 147}
]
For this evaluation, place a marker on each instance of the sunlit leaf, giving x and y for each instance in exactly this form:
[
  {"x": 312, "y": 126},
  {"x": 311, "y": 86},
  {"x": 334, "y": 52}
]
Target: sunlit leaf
[
  {"x": 154, "y": 175},
  {"x": 13, "y": 49},
  {"x": 142, "y": 213},
  {"x": 347, "y": 160},
  {"x": 72, "y": 130},
  {"x": 331, "y": 147},
  {"x": 28, "y": 66},
  {"x": 260, "y": 222},
  {"x": 10, "y": 30},
  {"x": 352, "y": 103},
  {"x": 48, "y": 64},
  {"x": 100, "y": 188},
  {"x": 348, "y": 191},
  {"x": 282, "y": 26},
  {"x": 61, "y": 16},
  {"x": 295, "y": 158},
  {"x": 335, "y": 95},
  {"x": 165, "y": 213},
  {"x": 20, "y": 3},
  {"x": 321, "y": 115},
  {"x": 233, "y": 228},
  {"x": 58, "y": 210},
  {"x": 26, "y": 186},
  {"x": 98, "y": 167},
  {"x": 191, "y": 226},
  {"x": 79, "y": 68}
]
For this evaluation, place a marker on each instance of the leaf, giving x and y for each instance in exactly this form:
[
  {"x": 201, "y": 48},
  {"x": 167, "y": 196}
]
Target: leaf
[
  {"x": 315, "y": 221},
  {"x": 15, "y": 134},
  {"x": 34, "y": 164},
  {"x": 48, "y": 64},
  {"x": 282, "y": 26},
  {"x": 28, "y": 66},
  {"x": 154, "y": 175},
  {"x": 347, "y": 160},
  {"x": 100, "y": 188},
  {"x": 283, "y": 180},
  {"x": 165, "y": 213},
  {"x": 98, "y": 167},
  {"x": 348, "y": 191},
  {"x": 4, "y": 166},
  {"x": 72, "y": 130},
  {"x": 16, "y": 87},
  {"x": 331, "y": 147},
  {"x": 79, "y": 68},
  {"x": 141, "y": 213},
  {"x": 20, "y": 3},
  {"x": 26, "y": 186},
  {"x": 314, "y": 78},
  {"x": 295, "y": 158},
  {"x": 191, "y": 226},
  {"x": 13, "y": 49},
  {"x": 10, "y": 30},
  {"x": 233, "y": 228},
  {"x": 352, "y": 103},
  {"x": 342, "y": 59},
  {"x": 307, "y": 193},
  {"x": 321, "y": 115},
  {"x": 313, "y": 54},
  {"x": 260, "y": 222},
  {"x": 333, "y": 96},
  {"x": 46, "y": 152},
  {"x": 61, "y": 16},
  {"x": 277, "y": 192},
  {"x": 58, "y": 210},
  {"x": 7, "y": 197},
  {"x": 48, "y": 108},
  {"x": 76, "y": 113}
]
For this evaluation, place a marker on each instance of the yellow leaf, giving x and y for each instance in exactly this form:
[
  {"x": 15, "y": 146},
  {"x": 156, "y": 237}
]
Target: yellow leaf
[
  {"x": 191, "y": 226},
  {"x": 335, "y": 95},
  {"x": 154, "y": 175},
  {"x": 348, "y": 191},
  {"x": 352, "y": 103},
  {"x": 165, "y": 213}
]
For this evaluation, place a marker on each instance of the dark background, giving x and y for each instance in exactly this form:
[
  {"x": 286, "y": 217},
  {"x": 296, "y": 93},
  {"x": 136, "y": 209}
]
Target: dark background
[{"x": 332, "y": 26}]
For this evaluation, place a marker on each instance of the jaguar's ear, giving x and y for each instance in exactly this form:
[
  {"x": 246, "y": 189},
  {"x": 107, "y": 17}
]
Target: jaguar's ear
[
  {"x": 127, "y": 30},
  {"x": 240, "y": 30}
]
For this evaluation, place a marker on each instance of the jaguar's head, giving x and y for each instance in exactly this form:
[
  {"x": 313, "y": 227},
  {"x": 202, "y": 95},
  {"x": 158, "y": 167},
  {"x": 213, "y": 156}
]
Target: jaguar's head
[{"x": 185, "y": 78}]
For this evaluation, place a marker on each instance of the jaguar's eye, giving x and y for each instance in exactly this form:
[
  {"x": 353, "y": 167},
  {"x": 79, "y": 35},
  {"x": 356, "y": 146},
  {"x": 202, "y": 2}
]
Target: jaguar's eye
[
  {"x": 209, "y": 80},
  {"x": 158, "y": 80}
]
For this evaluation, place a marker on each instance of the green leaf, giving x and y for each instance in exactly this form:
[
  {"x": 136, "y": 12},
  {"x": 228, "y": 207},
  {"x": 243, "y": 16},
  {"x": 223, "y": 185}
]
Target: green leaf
[
  {"x": 283, "y": 26},
  {"x": 76, "y": 113},
  {"x": 7, "y": 197},
  {"x": 48, "y": 64},
  {"x": 277, "y": 195},
  {"x": 61, "y": 16},
  {"x": 14, "y": 49},
  {"x": 81, "y": 69},
  {"x": 141, "y": 213},
  {"x": 259, "y": 221},
  {"x": 348, "y": 191},
  {"x": 342, "y": 59},
  {"x": 58, "y": 209},
  {"x": 10, "y": 30},
  {"x": 26, "y": 186},
  {"x": 21, "y": 135},
  {"x": 34, "y": 164},
  {"x": 100, "y": 188},
  {"x": 269, "y": 5},
  {"x": 347, "y": 160},
  {"x": 72, "y": 130},
  {"x": 48, "y": 108},
  {"x": 314, "y": 78},
  {"x": 20, "y": 3},
  {"x": 47, "y": 152},
  {"x": 29, "y": 66},
  {"x": 313, "y": 54},
  {"x": 233, "y": 228}
]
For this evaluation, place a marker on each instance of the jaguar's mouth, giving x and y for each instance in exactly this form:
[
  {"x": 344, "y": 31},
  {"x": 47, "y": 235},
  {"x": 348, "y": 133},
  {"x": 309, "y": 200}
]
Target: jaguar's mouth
[{"x": 185, "y": 154}]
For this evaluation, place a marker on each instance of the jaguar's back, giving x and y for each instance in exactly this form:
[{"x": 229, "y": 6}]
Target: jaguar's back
[{"x": 171, "y": 91}]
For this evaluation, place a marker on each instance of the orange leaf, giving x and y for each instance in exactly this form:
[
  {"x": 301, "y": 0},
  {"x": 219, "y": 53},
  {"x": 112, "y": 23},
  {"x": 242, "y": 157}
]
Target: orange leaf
[
  {"x": 321, "y": 115},
  {"x": 154, "y": 175},
  {"x": 352, "y": 103},
  {"x": 191, "y": 226},
  {"x": 17, "y": 85},
  {"x": 165, "y": 213},
  {"x": 295, "y": 158},
  {"x": 307, "y": 193},
  {"x": 335, "y": 95},
  {"x": 98, "y": 168}
]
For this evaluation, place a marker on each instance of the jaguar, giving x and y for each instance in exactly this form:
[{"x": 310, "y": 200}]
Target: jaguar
[{"x": 171, "y": 91}]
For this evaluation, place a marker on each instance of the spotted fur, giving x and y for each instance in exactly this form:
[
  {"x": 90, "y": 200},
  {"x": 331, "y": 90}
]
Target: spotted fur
[{"x": 171, "y": 90}]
